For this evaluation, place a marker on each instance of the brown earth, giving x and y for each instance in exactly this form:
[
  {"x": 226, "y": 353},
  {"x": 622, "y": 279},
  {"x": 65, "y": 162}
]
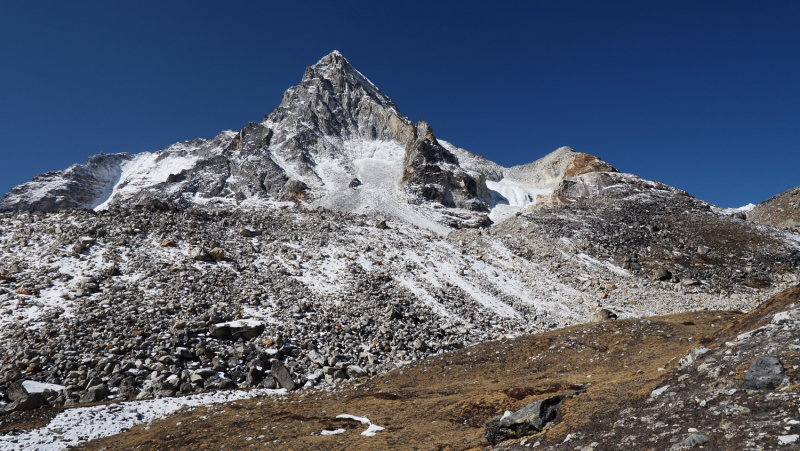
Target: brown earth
[
  {"x": 781, "y": 210},
  {"x": 443, "y": 403},
  {"x": 584, "y": 163}
]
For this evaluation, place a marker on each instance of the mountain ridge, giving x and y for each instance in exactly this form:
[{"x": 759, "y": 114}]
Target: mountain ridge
[{"x": 329, "y": 131}]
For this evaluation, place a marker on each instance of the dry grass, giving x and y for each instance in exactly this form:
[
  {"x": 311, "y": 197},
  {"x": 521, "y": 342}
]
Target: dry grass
[{"x": 444, "y": 402}]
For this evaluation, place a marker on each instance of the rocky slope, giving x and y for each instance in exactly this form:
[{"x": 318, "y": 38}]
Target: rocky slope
[
  {"x": 781, "y": 210},
  {"x": 140, "y": 302}
]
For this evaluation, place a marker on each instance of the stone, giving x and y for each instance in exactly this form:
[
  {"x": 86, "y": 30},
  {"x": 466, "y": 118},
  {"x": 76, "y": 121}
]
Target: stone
[
  {"x": 663, "y": 274},
  {"x": 603, "y": 314},
  {"x": 248, "y": 233},
  {"x": 692, "y": 356},
  {"x": 205, "y": 372},
  {"x": 269, "y": 382},
  {"x": 765, "y": 373},
  {"x": 16, "y": 391},
  {"x": 199, "y": 254},
  {"x": 355, "y": 183},
  {"x": 94, "y": 394},
  {"x": 29, "y": 402},
  {"x": 217, "y": 254},
  {"x": 282, "y": 376},
  {"x": 691, "y": 441},
  {"x": 233, "y": 330},
  {"x": 381, "y": 224},
  {"x": 315, "y": 358},
  {"x": 254, "y": 376},
  {"x": 703, "y": 250},
  {"x": 526, "y": 421},
  {"x": 355, "y": 372}
]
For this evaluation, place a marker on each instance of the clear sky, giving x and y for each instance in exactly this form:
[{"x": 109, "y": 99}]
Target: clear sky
[{"x": 702, "y": 95}]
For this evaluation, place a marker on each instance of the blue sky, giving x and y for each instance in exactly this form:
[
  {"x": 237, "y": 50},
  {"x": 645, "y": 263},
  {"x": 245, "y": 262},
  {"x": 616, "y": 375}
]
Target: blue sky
[{"x": 704, "y": 96}]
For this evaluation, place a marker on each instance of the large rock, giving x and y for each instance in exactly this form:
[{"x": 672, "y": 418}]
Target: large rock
[
  {"x": 199, "y": 254},
  {"x": 246, "y": 329},
  {"x": 765, "y": 373},
  {"x": 524, "y": 422},
  {"x": 30, "y": 402},
  {"x": 96, "y": 393},
  {"x": 16, "y": 391},
  {"x": 217, "y": 254},
  {"x": 603, "y": 314},
  {"x": 282, "y": 376}
]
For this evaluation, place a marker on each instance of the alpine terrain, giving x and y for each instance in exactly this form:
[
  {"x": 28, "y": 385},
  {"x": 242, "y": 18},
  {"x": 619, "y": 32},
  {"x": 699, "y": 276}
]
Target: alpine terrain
[{"x": 338, "y": 258}]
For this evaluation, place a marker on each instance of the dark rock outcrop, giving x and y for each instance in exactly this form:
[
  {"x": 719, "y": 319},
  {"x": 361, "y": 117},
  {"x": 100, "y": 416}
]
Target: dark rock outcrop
[{"x": 526, "y": 421}]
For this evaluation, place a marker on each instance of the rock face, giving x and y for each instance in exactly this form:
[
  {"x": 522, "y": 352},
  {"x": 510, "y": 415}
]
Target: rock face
[
  {"x": 782, "y": 210},
  {"x": 334, "y": 141},
  {"x": 432, "y": 173}
]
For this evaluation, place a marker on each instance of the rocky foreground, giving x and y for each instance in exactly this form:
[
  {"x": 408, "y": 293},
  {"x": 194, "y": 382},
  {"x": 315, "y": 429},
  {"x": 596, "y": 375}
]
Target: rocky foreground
[{"x": 697, "y": 380}]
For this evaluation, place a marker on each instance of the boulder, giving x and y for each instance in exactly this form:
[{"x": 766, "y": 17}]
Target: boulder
[
  {"x": 315, "y": 358},
  {"x": 30, "y": 402},
  {"x": 199, "y": 254},
  {"x": 765, "y": 373},
  {"x": 16, "y": 391},
  {"x": 217, "y": 254},
  {"x": 603, "y": 314},
  {"x": 663, "y": 274},
  {"x": 691, "y": 441},
  {"x": 233, "y": 330},
  {"x": 355, "y": 372},
  {"x": 95, "y": 393},
  {"x": 527, "y": 421},
  {"x": 282, "y": 376},
  {"x": 247, "y": 233}
]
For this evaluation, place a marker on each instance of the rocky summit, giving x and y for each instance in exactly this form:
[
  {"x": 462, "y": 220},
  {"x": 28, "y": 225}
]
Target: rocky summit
[{"x": 336, "y": 243}]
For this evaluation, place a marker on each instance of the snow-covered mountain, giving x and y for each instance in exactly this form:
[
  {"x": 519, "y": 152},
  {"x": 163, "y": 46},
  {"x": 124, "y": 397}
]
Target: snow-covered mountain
[{"x": 335, "y": 141}]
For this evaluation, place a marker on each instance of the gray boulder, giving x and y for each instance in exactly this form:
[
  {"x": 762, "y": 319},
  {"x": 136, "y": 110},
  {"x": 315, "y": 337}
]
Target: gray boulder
[
  {"x": 247, "y": 233},
  {"x": 282, "y": 376},
  {"x": 29, "y": 402},
  {"x": 765, "y": 373},
  {"x": 603, "y": 314},
  {"x": 199, "y": 254},
  {"x": 663, "y": 274},
  {"x": 527, "y": 421},
  {"x": 233, "y": 330},
  {"x": 96, "y": 393},
  {"x": 16, "y": 391},
  {"x": 691, "y": 441},
  {"x": 355, "y": 371}
]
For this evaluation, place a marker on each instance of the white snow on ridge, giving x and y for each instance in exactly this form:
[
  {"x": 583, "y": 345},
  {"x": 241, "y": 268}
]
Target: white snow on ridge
[
  {"x": 144, "y": 170},
  {"x": 79, "y": 425}
]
